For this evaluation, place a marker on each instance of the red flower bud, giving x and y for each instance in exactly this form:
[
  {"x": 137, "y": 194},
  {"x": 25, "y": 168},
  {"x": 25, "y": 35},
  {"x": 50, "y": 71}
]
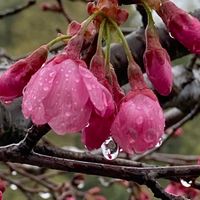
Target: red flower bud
[
  {"x": 157, "y": 63},
  {"x": 110, "y": 8},
  {"x": 18, "y": 75},
  {"x": 51, "y": 7},
  {"x": 140, "y": 122},
  {"x": 182, "y": 26}
]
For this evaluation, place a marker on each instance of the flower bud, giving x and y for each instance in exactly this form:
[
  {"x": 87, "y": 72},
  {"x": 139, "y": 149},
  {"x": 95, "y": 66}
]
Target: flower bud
[
  {"x": 181, "y": 25},
  {"x": 109, "y": 8},
  {"x": 18, "y": 75},
  {"x": 157, "y": 63},
  {"x": 140, "y": 122}
]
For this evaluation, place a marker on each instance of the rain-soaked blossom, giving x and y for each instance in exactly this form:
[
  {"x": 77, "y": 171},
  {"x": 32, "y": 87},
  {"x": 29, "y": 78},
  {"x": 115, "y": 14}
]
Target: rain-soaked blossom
[
  {"x": 17, "y": 76},
  {"x": 98, "y": 129},
  {"x": 181, "y": 25},
  {"x": 63, "y": 93},
  {"x": 179, "y": 190},
  {"x": 140, "y": 122},
  {"x": 157, "y": 63}
]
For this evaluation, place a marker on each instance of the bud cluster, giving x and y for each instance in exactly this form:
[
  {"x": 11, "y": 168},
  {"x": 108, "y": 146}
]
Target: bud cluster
[{"x": 73, "y": 96}]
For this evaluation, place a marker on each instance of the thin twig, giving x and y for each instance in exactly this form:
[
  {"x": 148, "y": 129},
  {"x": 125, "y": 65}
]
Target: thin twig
[{"x": 17, "y": 9}]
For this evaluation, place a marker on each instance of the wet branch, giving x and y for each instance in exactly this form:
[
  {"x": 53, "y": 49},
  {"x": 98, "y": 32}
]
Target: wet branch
[{"x": 17, "y": 9}]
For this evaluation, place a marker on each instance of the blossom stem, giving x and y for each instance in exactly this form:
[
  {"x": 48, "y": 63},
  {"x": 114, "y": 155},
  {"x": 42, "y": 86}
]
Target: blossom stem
[
  {"x": 108, "y": 41},
  {"x": 134, "y": 72},
  {"x": 88, "y": 21},
  {"x": 58, "y": 39},
  {"x": 149, "y": 15},
  {"x": 100, "y": 36},
  {"x": 124, "y": 42}
]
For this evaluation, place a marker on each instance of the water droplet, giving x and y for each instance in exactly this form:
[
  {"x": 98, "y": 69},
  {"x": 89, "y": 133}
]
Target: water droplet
[
  {"x": 66, "y": 75},
  {"x": 29, "y": 107},
  {"x": 89, "y": 87},
  {"x": 150, "y": 135},
  {"x": 110, "y": 149},
  {"x": 44, "y": 195},
  {"x": 14, "y": 173},
  {"x": 133, "y": 133},
  {"x": 171, "y": 35},
  {"x": 45, "y": 88},
  {"x": 67, "y": 114},
  {"x": 139, "y": 108},
  {"x": 13, "y": 187},
  {"x": 87, "y": 75},
  {"x": 87, "y": 125},
  {"x": 7, "y": 102},
  {"x": 139, "y": 120},
  {"x": 186, "y": 183},
  {"x": 77, "y": 80},
  {"x": 51, "y": 74},
  {"x": 159, "y": 142},
  {"x": 81, "y": 184}
]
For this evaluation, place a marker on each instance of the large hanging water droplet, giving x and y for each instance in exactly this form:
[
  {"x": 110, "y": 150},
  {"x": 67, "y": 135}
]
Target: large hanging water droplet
[
  {"x": 186, "y": 183},
  {"x": 45, "y": 195},
  {"x": 110, "y": 149}
]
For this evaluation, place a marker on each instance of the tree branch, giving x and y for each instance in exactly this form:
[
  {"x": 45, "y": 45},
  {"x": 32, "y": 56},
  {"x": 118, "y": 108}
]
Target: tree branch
[{"x": 17, "y": 9}]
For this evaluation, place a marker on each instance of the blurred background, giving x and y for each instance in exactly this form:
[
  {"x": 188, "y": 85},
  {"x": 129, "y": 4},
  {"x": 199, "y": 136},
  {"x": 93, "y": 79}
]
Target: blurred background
[{"x": 20, "y": 34}]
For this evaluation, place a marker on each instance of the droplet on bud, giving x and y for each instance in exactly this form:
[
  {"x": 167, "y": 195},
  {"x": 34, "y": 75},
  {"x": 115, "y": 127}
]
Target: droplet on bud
[
  {"x": 186, "y": 183},
  {"x": 110, "y": 149}
]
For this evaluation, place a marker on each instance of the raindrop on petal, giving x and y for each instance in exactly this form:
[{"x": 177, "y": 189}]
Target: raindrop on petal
[
  {"x": 110, "y": 149},
  {"x": 45, "y": 88},
  {"x": 139, "y": 120}
]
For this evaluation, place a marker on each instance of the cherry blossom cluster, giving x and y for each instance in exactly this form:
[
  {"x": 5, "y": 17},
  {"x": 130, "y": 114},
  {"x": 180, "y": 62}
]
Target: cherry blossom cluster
[{"x": 72, "y": 96}]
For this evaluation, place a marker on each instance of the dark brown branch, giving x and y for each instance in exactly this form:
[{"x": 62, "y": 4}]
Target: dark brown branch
[
  {"x": 17, "y": 9},
  {"x": 34, "y": 134},
  {"x": 64, "y": 13}
]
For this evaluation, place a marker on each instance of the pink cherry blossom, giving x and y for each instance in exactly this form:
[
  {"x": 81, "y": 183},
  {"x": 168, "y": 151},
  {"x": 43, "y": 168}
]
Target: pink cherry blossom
[
  {"x": 157, "y": 63},
  {"x": 140, "y": 122},
  {"x": 64, "y": 94},
  {"x": 17, "y": 76},
  {"x": 97, "y": 131},
  {"x": 179, "y": 190},
  {"x": 181, "y": 25}
]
